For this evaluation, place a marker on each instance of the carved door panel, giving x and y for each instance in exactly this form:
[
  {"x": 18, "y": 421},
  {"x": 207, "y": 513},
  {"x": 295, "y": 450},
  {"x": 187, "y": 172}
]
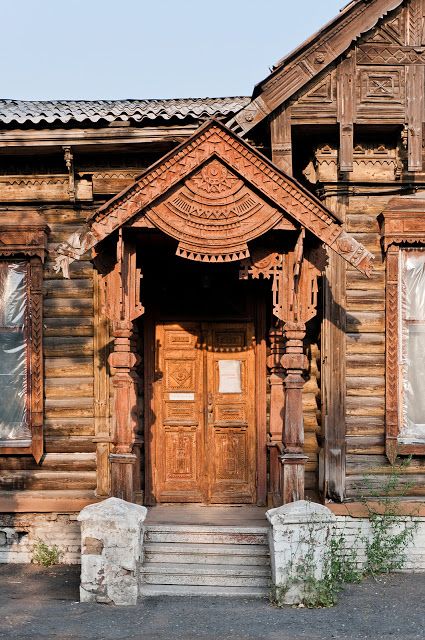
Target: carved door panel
[
  {"x": 179, "y": 420},
  {"x": 230, "y": 421},
  {"x": 203, "y": 437}
]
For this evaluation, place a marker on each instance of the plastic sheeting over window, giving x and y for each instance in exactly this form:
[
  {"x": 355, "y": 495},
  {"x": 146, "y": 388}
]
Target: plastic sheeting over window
[
  {"x": 13, "y": 351},
  {"x": 412, "y": 345}
]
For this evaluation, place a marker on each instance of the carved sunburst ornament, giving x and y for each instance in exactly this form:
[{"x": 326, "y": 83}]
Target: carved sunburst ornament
[
  {"x": 215, "y": 178},
  {"x": 213, "y": 215}
]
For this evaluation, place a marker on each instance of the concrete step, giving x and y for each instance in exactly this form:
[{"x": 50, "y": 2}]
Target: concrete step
[
  {"x": 199, "y": 534},
  {"x": 203, "y": 590},
  {"x": 186, "y": 553},
  {"x": 207, "y": 575}
]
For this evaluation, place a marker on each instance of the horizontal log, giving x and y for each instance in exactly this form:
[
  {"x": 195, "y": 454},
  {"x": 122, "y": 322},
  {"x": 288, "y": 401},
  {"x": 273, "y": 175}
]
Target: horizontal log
[
  {"x": 61, "y": 347},
  {"x": 373, "y": 204},
  {"x": 68, "y": 427},
  {"x": 67, "y": 307},
  {"x": 69, "y": 388},
  {"x": 77, "y": 327},
  {"x": 365, "y": 425},
  {"x": 53, "y": 501},
  {"x": 51, "y": 461},
  {"x": 365, "y": 445},
  {"x": 409, "y": 507},
  {"x": 68, "y": 367},
  {"x": 367, "y": 343},
  {"x": 69, "y": 444},
  {"x": 365, "y": 365},
  {"x": 366, "y": 322},
  {"x": 79, "y": 269},
  {"x": 365, "y": 300},
  {"x": 365, "y": 406},
  {"x": 372, "y": 242},
  {"x": 356, "y": 280},
  {"x": 365, "y": 385},
  {"x": 379, "y": 464},
  {"x": 408, "y": 485},
  {"x": 69, "y": 408},
  {"x": 65, "y": 215},
  {"x": 75, "y": 288},
  {"x": 362, "y": 223},
  {"x": 14, "y": 480}
]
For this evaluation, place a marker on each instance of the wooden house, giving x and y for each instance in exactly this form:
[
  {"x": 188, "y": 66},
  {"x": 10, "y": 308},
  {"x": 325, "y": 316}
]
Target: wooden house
[{"x": 220, "y": 301}]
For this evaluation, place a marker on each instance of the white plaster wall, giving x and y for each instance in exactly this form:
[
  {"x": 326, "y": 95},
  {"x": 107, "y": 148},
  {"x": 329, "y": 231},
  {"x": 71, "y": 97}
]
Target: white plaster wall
[
  {"x": 19, "y": 533},
  {"x": 356, "y": 529}
]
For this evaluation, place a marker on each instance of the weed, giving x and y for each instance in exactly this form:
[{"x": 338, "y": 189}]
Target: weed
[{"x": 45, "y": 555}]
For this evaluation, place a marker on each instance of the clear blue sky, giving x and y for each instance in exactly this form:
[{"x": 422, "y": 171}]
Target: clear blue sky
[{"x": 92, "y": 49}]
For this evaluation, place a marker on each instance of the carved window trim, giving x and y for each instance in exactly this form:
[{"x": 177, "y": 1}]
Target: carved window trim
[
  {"x": 24, "y": 238},
  {"x": 401, "y": 229}
]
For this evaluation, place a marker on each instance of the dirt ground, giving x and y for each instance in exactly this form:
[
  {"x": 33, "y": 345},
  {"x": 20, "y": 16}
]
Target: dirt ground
[{"x": 41, "y": 603}]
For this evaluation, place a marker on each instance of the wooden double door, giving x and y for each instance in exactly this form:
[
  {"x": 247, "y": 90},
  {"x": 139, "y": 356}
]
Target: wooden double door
[{"x": 203, "y": 436}]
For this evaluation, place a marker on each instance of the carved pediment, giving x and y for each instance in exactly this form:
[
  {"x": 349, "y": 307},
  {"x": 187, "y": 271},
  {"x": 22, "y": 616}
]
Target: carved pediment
[
  {"x": 215, "y": 193},
  {"x": 214, "y": 214}
]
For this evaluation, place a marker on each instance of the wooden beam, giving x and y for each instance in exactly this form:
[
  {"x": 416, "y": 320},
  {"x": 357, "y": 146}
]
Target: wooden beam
[
  {"x": 346, "y": 87},
  {"x": 101, "y": 390},
  {"x": 333, "y": 347},
  {"x": 415, "y": 88},
  {"x": 91, "y": 137},
  {"x": 281, "y": 139},
  {"x": 45, "y": 501}
]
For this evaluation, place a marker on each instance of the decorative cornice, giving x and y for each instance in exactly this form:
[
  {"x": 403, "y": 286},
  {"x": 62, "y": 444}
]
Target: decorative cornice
[
  {"x": 23, "y": 233},
  {"x": 403, "y": 222}
]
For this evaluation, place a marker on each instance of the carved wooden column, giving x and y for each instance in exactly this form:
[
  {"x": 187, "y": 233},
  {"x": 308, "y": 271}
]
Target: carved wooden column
[
  {"x": 123, "y": 359},
  {"x": 277, "y": 404},
  {"x": 293, "y": 458},
  {"x": 123, "y": 306}
]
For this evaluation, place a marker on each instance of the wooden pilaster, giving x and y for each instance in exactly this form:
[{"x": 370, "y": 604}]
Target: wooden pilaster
[
  {"x": 103, "y": 438},
  {"x": 123, "y": 359},
  {"x": 277, "y": 405},
  {"x": 346, "y": 75},
  {"x": 281, "y": 139},
  {"x": 293, "y": 458}
]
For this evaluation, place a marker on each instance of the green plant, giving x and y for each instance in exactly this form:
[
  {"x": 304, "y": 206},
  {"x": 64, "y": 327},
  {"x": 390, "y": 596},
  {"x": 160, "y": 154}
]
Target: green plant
[
  {"x": 385, "y": 547},
  {"x": 391, "y": 532},
  {"x": 45, "y": 555},
  {"x": 340, "y": 568}
]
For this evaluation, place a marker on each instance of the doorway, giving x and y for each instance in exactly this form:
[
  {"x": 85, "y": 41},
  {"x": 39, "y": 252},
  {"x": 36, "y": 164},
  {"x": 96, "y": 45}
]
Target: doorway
[{"x": 203, "y": 437}]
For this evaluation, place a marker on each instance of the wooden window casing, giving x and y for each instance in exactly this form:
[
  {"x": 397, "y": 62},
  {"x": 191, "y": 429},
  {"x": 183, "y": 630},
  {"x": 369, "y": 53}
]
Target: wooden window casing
[
  {"x": 24, "y": 239},
  {"x": 403, "y": 230}
]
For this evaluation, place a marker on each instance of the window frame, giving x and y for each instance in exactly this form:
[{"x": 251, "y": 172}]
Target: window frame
[
  {"x": 402, "y": 228},
  {"x": 24, "y": 238}
]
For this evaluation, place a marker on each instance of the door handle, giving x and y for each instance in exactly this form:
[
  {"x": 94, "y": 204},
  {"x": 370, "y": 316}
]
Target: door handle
[{"x": 210, "y": 406}]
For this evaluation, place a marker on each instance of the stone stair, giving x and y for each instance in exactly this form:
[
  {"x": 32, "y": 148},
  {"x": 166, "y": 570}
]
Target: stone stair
[{"x": 205, "y": 560}]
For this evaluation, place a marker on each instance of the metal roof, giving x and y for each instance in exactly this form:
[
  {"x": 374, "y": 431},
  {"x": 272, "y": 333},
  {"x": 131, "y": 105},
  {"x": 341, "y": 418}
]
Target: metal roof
[{"x": 63, "y": 111}]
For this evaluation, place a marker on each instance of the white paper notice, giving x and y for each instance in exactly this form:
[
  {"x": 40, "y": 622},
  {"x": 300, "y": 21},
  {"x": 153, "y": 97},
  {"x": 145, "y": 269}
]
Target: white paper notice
[
  {"x": 229, "y": 376},
  {"x": 181, "y": 396}
]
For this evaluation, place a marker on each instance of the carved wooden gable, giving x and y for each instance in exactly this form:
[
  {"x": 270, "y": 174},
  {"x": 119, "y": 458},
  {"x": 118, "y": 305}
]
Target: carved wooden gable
[
  {"x": 214, "y": 194},
  {"x": 214, "y": 214}
]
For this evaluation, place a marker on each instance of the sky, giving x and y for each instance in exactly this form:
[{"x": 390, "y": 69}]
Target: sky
[{"x": 104, "y": 49}]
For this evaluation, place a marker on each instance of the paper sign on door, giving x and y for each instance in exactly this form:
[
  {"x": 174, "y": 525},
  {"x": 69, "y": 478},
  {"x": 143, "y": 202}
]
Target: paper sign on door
[{"x": 229, "y": 376}]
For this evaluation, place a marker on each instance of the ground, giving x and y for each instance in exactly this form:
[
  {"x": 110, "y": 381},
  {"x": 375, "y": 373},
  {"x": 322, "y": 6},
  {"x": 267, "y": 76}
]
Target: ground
[{"x": 41, "y": 603}]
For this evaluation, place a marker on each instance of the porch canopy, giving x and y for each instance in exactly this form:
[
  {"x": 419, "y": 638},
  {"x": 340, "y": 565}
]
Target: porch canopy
[{"x": 215, "y": 194}]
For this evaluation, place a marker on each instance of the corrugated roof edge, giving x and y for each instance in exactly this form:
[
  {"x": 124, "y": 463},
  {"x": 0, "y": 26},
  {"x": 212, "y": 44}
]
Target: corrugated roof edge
[{"x": 65, "y": 111}]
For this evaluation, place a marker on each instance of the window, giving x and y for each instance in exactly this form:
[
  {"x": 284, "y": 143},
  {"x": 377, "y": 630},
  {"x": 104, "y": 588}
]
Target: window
[
  {"x": 412, "y": 346},
  {"x": 22, "y": 252},
  {"x": 14, "y": 354},
  {"x": 403, "y": 240}
]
